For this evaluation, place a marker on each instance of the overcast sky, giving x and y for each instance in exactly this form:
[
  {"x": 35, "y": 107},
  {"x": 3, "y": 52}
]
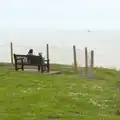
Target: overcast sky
[{"x": 60, "y": 14}]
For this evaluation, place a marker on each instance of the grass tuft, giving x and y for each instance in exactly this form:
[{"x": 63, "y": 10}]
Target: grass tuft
[{"x": 32, "y": 96}]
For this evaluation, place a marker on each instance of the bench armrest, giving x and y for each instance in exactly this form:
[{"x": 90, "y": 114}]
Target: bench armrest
[{"x": 46, "y": 60}]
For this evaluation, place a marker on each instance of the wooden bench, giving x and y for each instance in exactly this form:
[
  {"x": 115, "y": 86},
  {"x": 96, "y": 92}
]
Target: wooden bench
[{"x": 27, "y": 60}]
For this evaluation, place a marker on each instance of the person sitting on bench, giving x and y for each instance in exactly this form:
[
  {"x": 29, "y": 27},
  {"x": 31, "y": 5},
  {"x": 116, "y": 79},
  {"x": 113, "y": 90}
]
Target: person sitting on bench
[
  {"x": 30, "y": 52},
  {"x": 40, "y": 54}
]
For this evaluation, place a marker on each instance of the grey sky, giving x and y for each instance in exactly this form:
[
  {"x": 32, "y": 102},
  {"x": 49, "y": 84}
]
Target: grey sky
[{"x": 60, "y": 14}]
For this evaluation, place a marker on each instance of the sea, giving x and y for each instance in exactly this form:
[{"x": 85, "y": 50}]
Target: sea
[{"x": 104, "y": 43}]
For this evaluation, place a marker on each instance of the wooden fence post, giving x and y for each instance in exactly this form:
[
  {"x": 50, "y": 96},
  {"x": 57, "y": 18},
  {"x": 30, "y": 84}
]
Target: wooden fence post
[
  {"x": 75, "y": 59},
  {"x": 47, "y": 51},
  {"x": 92, "y": 58},
  {"x": 86, "y": 61},
  {"x": 11, "y": 49},
  {"x": 91, "y": 64}
]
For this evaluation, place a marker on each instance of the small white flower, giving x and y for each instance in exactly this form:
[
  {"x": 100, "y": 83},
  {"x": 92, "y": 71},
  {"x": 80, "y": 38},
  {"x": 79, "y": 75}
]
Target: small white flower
[
  {"x": 29, "y": 89},
  {"x": 29, "y": 113},
  {"x": 13, "y": 94},
  {"x": 73, "y": 84},
  {"x": 38, "y": 88}
]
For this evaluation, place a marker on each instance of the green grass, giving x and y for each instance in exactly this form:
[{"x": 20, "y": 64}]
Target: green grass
[{"x": 32, "y": 96}]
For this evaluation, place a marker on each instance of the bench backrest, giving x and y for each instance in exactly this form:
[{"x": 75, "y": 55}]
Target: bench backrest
[{"x": 28, "y": 59}]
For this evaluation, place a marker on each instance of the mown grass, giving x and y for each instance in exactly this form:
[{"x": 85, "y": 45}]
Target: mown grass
[{"x": 32, "y": 96}]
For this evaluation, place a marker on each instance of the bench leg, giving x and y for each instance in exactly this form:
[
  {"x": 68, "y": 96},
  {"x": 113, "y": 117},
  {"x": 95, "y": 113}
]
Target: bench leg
[
  {"x": 42, "y": 69},
  {"x": 38, "y": 68},
  {"x": 16, "y": 67},
  {"x": 22, "y": 67},
  {"x": 48, "y": 68}
]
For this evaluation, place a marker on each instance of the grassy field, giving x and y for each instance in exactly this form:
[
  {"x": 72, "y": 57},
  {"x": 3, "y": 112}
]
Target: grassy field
[{"x": 32, "y": 96}]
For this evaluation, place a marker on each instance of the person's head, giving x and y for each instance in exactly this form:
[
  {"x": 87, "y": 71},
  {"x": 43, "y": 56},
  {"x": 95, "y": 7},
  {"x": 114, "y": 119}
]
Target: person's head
[
  {"x": 40, "y": 54},
  {"x": 30, "y": 51}
]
